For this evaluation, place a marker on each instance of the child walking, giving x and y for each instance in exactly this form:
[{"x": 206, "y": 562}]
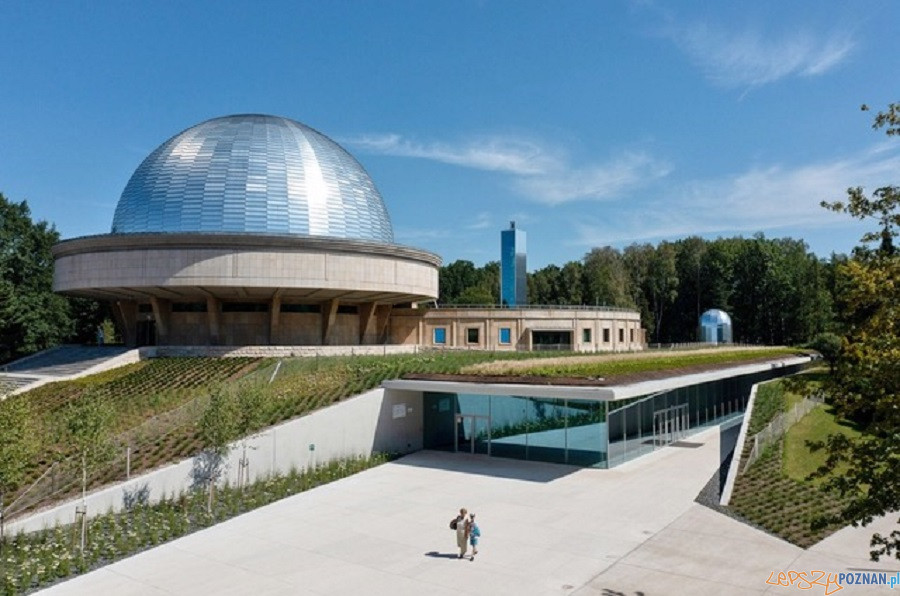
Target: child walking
[{"x": 474, "y": 535}]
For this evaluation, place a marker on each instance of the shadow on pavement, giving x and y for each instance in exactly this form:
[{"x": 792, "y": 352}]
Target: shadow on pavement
[
  {"x": 530, "y": 471},
  {"x": 436, "y": 555}
]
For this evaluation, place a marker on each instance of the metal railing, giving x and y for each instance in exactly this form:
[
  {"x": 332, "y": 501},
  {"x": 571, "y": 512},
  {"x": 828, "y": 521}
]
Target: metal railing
[
  {"x": 63, "y": 478},
  {"x": 531, "y": 307},
  {"x": 778, "y": 427}
]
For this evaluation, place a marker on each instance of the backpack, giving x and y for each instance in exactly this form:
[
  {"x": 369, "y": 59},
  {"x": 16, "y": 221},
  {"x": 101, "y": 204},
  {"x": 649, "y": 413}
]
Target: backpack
[{"x": 453, "y": 523}]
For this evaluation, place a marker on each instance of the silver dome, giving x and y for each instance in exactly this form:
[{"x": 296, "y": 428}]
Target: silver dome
[
  {"x": 254, "y": 174},
  {"x": 715, "y": 327}
]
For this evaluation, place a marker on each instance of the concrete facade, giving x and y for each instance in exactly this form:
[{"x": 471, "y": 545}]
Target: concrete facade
[
  {"x": 376, "y": 421},
  {"x": 240, "y": 289},
  {"x": 185, "y": 289},
  {"x": 588, "y": 329}
]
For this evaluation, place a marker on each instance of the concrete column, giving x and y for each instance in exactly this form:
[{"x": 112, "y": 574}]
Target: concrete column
[
  {"x": 125, "y": 314},
  {"x": 162, "y": 311},
  {"x": 366, "y": 315},
  {"x": 274, "y": 319},
  {"x": 329, "y": 315},
  {"x": 214, "y": 320}
]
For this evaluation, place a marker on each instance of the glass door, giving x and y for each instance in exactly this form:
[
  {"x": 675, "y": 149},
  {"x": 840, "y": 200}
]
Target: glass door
[
  {"x": 670, "y": 425},
  {"x": 473, "y": 434}
]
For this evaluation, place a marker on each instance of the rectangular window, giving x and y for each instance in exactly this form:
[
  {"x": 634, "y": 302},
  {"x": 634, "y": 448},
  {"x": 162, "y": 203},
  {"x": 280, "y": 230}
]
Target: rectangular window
[
  {"x": 621, "y": 335},
  {"x": 472, "y": 335},
  {"x": 606, "y": 336},
  {"x": 302, "y": 308},
  {"x": 188, "y": 307},
  {"x": 244, "y": 307},
  {"x": 440, "y": 335},
  {"x": 505, "y": 335},
  {"x": 586, "y": 336},
  {"x": 631, "y": 335}
]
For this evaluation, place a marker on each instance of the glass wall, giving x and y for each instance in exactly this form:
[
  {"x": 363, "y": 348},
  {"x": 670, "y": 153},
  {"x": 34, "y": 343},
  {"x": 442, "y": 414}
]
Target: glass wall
[{"x": 582, "y": 432}]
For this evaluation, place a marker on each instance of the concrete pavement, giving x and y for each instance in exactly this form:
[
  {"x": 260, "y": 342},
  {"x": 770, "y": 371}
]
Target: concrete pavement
[{"x": 546, "y": 529}]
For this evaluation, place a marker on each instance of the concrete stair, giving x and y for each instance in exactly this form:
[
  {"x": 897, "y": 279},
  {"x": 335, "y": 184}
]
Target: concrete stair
[
  {"x": 63, "y": 361},
  {"x": 56, "y": 364}
]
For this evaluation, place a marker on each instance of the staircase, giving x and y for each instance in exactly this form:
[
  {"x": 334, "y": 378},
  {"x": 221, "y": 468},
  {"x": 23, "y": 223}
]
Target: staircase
[{"x": 55, "y": 364}]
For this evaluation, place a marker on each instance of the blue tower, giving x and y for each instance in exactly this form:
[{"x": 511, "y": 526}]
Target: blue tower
[{"x": 513, "y": 283}]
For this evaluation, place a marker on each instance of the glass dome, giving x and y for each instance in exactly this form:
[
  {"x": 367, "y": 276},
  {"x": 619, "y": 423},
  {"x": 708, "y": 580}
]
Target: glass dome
[
  {"x": 715, "y": 327},
  {"x": 253, "y": 174}
]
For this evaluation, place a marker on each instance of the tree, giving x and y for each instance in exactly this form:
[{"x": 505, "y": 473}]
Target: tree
[
  {"x": 829, "y": 346},
  {"x": 454, "y": 278},
  {"x": 232, "y": 414},
  {"x": 865, "y": 385},
  {"x": 690, "y": 254},
  {"x": 544, "y": 285},
  {"x": 89, "y": 424},
  {"x": 32, "y": 317},
  {"x": 218, "y": 427},
  {"x": 18, "y": 444},
  {"x": 606, "y": 278},
  {"x": 661, "y": 284},
  {"x": 572, "y": 283},
  {"x": 463, "y": 283}
]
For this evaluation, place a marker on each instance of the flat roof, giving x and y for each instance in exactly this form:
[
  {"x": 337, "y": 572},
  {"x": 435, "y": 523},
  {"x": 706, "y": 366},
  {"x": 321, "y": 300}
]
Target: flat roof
[{"x": 608, "y": 393}]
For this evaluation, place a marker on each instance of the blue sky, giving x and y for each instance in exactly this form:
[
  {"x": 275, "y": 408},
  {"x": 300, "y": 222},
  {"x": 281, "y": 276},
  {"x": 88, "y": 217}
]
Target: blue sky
[{"x": 589, "y": 123}]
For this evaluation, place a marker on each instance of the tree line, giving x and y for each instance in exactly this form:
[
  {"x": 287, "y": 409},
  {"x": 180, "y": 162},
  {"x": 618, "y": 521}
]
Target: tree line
[
  {"x": 776, "y": 290},
  {"x": 32, "y": 316}
]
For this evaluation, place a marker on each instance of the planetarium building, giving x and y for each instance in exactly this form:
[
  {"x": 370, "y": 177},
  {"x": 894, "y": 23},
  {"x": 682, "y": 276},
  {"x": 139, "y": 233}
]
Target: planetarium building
[
  {"x": 249, "y": 230},
  {"x": 254, "y": 230}
]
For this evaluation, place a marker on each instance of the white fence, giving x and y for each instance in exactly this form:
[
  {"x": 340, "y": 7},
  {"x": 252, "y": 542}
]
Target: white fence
[{"x": 777, "y": 427}]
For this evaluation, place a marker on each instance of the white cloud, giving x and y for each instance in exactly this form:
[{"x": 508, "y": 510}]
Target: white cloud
[
  {"x": 761, "y": 198},
  {"x": 539, "y": 172},
  {"x": 734, "y": 59},
  {"x": 480, "y": 222},
  {"x": 606, "y": 180},
  {"x": 500, "y": 154}
]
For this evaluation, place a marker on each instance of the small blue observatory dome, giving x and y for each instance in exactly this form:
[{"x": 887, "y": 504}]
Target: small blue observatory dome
[
  {"x": 715, "y": 327},
  {"x": 254, "y": 174}
]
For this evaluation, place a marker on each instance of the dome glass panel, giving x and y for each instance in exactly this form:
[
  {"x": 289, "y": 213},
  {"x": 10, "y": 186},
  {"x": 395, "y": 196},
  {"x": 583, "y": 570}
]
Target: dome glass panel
[{"x": 253, "y": 174}]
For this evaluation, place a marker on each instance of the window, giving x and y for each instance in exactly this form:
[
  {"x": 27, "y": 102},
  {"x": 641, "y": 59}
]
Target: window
[
  {"x": 347, "y": 309},
  {"x": 302, "y": 308},
  {"x": 631, "y": 335},
  {"x": 188, "y": 307},
  {"x": 586, "y": 336},
  {"x": 621, "y": 335},
  {"x": 505, "y": 335},
  {"x": 244, "y": 307},
  {"x": 440, "y": 335},
  {"x": 472, "y": 335},
  {"x": 606, "y": 336}
]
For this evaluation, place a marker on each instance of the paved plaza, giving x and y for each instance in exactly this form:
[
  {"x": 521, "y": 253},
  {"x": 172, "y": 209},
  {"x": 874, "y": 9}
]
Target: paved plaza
[{"x": 546, "y": 529}]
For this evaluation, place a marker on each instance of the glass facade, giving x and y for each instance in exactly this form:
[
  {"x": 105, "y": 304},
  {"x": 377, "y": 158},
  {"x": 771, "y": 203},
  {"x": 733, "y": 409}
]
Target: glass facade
[
  {"x": 580, "y": 432},
  {"x": 256, "y": 174},
  {"x": 513, "y": 280}
]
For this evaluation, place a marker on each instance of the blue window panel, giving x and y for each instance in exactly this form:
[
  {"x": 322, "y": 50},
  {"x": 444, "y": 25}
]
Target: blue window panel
[
  {"x": 440, "y": 335},
  {"x": 505, "y": 335}
]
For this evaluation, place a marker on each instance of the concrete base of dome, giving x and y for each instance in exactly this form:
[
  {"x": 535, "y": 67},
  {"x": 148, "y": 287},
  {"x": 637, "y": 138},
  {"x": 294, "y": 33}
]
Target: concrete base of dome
[{"x": 239, "y": 289}]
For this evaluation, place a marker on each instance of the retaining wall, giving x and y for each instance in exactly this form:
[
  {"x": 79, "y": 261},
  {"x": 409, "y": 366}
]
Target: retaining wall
[{"x": 378, "y": 421}]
